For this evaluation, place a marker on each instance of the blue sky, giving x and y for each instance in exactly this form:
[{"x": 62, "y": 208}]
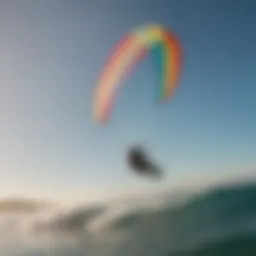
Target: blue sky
[{"x": 51, "y": 55}]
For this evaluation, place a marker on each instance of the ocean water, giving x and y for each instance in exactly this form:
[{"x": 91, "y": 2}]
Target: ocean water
[{"x": 220, "y": 221}]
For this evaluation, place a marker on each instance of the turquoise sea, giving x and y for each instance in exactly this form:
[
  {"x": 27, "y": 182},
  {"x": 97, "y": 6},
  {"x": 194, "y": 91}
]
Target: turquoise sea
[{"x": 220, "y": 221}]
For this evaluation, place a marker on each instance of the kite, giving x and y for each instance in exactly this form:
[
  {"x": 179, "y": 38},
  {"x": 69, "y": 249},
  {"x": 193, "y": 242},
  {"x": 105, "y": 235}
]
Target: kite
[{"x": 132, "y": 49}]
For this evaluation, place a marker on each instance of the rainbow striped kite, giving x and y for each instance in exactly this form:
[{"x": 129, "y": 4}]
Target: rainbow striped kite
[{"x": 130, "y": 51}]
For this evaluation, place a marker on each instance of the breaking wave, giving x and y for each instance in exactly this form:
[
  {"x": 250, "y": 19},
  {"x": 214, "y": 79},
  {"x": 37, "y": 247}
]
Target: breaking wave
[{"x": 220, "y": 221}]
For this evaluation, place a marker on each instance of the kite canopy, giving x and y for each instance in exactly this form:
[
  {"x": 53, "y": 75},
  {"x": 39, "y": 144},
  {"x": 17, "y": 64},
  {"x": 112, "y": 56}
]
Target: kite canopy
[{"x": 130, "y": 51}]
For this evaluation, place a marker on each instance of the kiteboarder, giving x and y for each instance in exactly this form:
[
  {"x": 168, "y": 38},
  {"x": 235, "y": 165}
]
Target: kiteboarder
[
  {"x": 129, "y": 52},
  {"x": 140, "y": 162}
]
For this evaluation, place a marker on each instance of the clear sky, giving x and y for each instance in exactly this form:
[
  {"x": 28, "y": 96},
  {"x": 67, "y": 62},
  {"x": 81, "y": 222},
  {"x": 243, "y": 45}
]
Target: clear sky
[{"x": 51, "y": 55}]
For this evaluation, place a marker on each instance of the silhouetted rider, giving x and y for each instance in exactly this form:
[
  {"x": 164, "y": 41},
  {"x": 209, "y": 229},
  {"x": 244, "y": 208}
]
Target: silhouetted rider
[{"x": 140, "y": 162}]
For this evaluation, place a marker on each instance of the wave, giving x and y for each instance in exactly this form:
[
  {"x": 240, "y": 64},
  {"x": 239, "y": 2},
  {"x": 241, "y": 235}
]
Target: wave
[{"x": 221, "y": 221}]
